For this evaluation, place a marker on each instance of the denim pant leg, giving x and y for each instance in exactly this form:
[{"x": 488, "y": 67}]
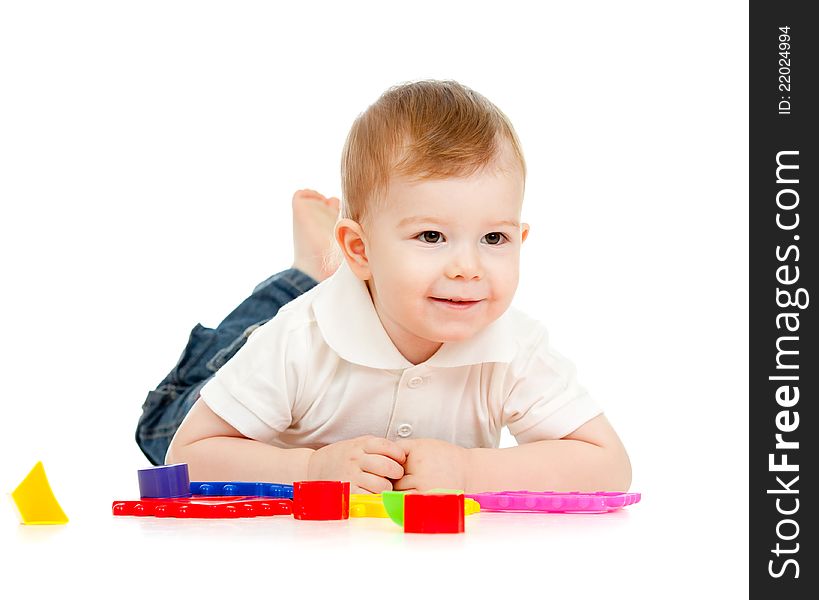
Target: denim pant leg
[{"x": 207, "y": 350}]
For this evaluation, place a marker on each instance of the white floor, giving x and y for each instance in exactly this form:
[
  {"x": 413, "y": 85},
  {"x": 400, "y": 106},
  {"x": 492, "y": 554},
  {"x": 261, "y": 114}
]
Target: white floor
[{"x": 669, "y": 545}]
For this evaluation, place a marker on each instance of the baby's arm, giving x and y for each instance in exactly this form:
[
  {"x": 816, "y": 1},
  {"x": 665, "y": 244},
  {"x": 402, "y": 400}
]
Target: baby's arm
[
  {"x": 592, "y": 458},
  {"x": 216, "y": 451}
]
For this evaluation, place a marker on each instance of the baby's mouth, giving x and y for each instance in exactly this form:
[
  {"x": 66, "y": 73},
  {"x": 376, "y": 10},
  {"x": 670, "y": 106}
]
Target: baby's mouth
[{"x": 456, "y": 302}]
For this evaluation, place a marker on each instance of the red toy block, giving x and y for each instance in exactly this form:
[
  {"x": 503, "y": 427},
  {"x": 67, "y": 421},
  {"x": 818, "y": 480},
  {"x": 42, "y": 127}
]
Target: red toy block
[
  {"x": 204, "y": 507},
  {"x": 434, "y": 513},
  {"x": 321, "y": 500}
]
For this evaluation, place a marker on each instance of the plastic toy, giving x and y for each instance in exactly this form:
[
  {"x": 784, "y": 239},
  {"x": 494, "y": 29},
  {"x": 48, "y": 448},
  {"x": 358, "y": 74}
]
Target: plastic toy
[
  {"x": 393, "y": 503},
  {"x": 367, "y": 505},
  {"x": 372, "y": 505},
  {"x": 36, "y": 502},
  {"x": 164, "y": 481},
  {"x": 225, "y": 507},
  {"x": 321, "y": 500},
  {"x": 241, "y": 488},
  {"x": 394, "y": 506},
  {"x": 557, "y": 502},
  {"x": 166, "y": 491},
  {"x": 434, "y": 513},
  {"x": 471, "y": 506}
]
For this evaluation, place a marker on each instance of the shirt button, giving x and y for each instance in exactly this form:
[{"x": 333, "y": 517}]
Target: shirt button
[
  {"x": 416, "y": 382},
  {"x": 405, "y": 430}
]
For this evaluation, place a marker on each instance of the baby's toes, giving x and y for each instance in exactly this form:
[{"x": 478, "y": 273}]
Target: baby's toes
[{"x": 308, "y": 193}]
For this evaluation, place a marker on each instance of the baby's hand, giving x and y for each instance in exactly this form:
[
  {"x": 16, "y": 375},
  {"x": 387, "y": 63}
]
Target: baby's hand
[
  {"x": 432, "y": 464},
  {"x": 367, "y": 462}
]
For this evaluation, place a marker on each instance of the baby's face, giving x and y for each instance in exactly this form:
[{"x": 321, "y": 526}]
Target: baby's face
[{"x": 444, "y": 258}]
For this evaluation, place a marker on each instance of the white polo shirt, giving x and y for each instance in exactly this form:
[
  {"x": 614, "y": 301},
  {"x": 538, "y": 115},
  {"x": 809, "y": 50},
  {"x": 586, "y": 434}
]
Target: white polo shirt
[{"x": 324, "y": 370}]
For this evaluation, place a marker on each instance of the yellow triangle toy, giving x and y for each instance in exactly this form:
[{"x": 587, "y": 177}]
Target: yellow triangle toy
[{"x": 36, "y": 502}]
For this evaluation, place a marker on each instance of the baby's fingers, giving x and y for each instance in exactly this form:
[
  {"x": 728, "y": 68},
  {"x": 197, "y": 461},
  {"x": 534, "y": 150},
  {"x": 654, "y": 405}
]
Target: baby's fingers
[
  {"x": 382, "y": 466},
  {"x": 406, "y": 484},
  {"x": 370, "y": 483},
  {"x": 385, "y": 447}
]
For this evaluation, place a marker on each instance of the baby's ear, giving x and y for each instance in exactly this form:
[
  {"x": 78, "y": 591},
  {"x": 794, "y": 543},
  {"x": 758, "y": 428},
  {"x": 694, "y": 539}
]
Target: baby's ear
[
  {"x": 350, "y": 239},
  {"x": 524, "y": 232}
]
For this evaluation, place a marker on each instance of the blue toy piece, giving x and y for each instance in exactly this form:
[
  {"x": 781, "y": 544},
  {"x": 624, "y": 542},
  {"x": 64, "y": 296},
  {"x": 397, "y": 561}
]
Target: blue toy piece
[{"x": 241, "y": 488}]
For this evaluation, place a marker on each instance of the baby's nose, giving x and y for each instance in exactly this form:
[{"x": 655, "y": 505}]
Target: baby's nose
[{"x": 465, "y": 263}]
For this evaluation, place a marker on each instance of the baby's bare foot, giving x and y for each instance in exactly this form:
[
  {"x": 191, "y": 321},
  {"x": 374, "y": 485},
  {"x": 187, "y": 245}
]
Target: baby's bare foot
[{"x": 314, "y": 219}]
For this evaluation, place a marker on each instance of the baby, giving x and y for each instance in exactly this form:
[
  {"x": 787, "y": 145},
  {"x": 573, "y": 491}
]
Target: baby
[{"x": 399, "y": 369}]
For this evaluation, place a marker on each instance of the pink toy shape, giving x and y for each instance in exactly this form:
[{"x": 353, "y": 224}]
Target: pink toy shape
[{"x": 556, "y": 502}]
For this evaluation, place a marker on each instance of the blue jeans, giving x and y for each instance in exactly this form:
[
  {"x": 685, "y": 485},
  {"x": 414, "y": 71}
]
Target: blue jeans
[{"x": 207, "y": 350}]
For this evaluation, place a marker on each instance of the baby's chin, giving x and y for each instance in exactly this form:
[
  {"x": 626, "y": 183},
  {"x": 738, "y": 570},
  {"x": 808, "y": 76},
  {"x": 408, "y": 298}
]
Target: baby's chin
[{"x": 449, "y": 337}]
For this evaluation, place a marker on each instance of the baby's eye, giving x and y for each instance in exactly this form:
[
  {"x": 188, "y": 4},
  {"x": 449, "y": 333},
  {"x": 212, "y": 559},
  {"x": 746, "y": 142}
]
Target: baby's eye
[
  {"x": 431, "y": 237},
  {"x": 495, "y": 238}
]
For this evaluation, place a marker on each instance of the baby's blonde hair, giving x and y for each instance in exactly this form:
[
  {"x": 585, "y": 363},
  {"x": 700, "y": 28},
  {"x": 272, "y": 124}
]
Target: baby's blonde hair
[{"x": 424, "y": 130}]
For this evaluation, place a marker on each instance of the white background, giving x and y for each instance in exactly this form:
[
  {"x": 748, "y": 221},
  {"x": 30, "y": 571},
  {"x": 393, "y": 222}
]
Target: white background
[{"x": 148, "y": 155}]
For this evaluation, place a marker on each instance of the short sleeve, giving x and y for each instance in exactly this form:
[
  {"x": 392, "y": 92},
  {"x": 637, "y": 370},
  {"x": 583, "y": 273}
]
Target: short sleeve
[
  {"x": 544, "y": 400},
  {"x": 257, "y": 388}
]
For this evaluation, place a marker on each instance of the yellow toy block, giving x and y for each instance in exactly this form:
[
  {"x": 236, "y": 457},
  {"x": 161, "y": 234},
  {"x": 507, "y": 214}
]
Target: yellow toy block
[
  {"x": 36, "y": 502},
  {"x": 371, "y": 505},
  {"x": 367, "y": 505}
]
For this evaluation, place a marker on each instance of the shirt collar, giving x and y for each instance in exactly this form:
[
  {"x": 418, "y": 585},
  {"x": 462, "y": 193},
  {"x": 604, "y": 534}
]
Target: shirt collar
[{"x": 351, "y": 327}]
